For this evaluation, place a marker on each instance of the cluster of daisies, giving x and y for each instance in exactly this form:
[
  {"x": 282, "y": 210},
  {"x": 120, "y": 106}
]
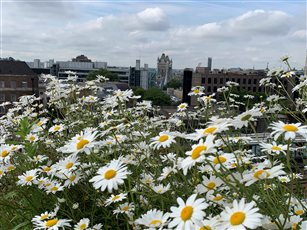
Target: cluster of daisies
[{"x": 119, "y": 163}]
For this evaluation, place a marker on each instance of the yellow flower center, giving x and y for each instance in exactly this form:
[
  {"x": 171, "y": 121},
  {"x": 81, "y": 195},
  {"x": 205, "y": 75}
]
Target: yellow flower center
[
  {"x": 43, "y": 217},
  {"x": 237, "y": 218},
  {"x": 211, "y": 185},
  {"x": 290, "y": 128},
  {"x": 40, "y": 123},
  {"x": 56, "y": 128},
  {"x": 206, "y": 227},
  {"x": 1, "y": 172},
  {"x": 82, "y": 226},
  {"x": 32, "y": 138},
  {"x": 197, "y": 151},
  {"x": 155, "y": 222},
  {"x": 209, "y": 130},
  {"x": 4, "y": 153},
  {"x": 163, "y": 138},
  {"x": 72, "y": 177},
  {"x": 275, "y": 148},
  {"x": 260, "y": 174},
  {"x": 55, "y": 188},
  {"x": 51, "y": 222},
  {"x": 219, "y": 160},
  {"x": 29, "y": 178},
  {"x": 299, "y": 212},
  {"x": 11, "y": 167},
  {"x": 196, "y": 91},
  {"x": 69, "y": 165},
  {"x": 115, "y": 197},
  {"x": 218, "y": 198},
  {"x": 82, "y": 143},
  {"x": 186, "y": 213},
  {"x": 47, "y": 169},
  {"x": 14, "y": 148},
  {"x": 126, "y": 208},
  {"x": 109, "y": 174}
]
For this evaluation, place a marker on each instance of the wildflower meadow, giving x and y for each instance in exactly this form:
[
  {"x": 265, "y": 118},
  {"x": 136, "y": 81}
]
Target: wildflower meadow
[{"x": 84, "y": 163}]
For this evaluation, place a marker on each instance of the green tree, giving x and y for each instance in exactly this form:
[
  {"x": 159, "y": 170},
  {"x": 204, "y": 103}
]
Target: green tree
[
  {"x": 157, "y": 96},
  {"x": 174, "y": 83},
  {"x": 139, "y": 91},
  {"x": 104, "y": 72}
]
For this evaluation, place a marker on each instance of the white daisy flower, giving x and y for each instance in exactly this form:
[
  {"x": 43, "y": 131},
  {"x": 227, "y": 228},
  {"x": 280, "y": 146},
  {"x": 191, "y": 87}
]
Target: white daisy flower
[
  {"x": 241, "y": 216},
  {"x": 262, "y": 173},
  {"x": 153, "y": 219},
  {"x": 248, "y": 116},
  {"x": 210, "y": 183},
  {"x": 28, "y": 178},
  {"x": 115, "y": 198},
  {"x": 82, "y": 142},
  {"x": 52, "y": 224},
  {"x": 290, "y": 130},
  {"x": 160, "y": 189},
  {"x": 110, "y": 176},
  {"x": 32, "y": 138},
  {"x": 56, "y": 128},
  {"x": 197, "y": 90},
  {"x": 197, "y": 154},
  {"x": 82, "y": 224},
  {"x": 273, "y": 149},
  {"x": 182, "y": 107},
  {"x": 164, "y": 140},
  {"x": 188, "y": 214}
]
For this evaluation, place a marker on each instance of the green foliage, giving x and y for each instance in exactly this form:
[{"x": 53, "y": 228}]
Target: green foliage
[
  {"x": 156, "y": 95},
  {"x": 104, "y": 72},
  {"x": 139, "y": 91},
  {"x": 174, "y": 83}
]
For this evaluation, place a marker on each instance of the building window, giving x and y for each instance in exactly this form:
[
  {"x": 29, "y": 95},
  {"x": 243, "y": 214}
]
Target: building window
[
  {"x": 227, "y": 79},
  {"x": 248, "y": 88},
  {"x": 2, "y": 84},
  {"x": 209, "y": 80},
  {"x": 239, "y": 80},
  {"x": 244, "y": 81},
  {"x": 2, "y": 96},
  {"x": 203, "y": 80},
  {"x": 221, "y": 80},
  {"x": 249, "y": 81},
  {"x": 215, "y": 80},
  {"x": 254, "y": 89},
  {"x": 2, "y": 110},
  {"x": 214, "y": 89},
  {"x": 255, "y": 81},
  {"x": 13, "y": 97},
  {"x": 24, "y": 84},
  {"x": 13, "y": 84},
  {"x": 209, "y": 89}
]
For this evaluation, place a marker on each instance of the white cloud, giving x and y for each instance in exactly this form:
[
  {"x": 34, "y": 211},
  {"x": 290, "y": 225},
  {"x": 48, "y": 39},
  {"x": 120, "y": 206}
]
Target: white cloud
[
  {"x": 253, "y": 36},
  {"x": 299, "y": 35}
]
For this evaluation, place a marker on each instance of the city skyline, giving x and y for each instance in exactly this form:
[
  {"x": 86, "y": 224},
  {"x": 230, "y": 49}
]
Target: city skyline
[{"x": 243, "y": 34}]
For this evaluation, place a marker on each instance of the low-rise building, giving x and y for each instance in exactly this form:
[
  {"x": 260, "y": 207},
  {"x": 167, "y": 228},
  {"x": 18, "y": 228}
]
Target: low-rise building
[{"x": 16, "y": 80}]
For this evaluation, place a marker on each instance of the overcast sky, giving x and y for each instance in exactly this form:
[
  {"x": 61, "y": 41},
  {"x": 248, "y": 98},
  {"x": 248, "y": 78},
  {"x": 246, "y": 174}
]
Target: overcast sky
[{"x": 234, "y": 33}]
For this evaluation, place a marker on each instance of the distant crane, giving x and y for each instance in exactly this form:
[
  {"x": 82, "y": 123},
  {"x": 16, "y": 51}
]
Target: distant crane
[{"x": 199, "y": 64}]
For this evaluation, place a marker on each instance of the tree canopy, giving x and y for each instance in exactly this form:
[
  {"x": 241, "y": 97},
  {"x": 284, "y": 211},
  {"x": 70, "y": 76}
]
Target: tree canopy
[
  {"x": 104, "y": 72},
  {"x": 174, "y": 83},
  {"x": 156, "y": 95}
]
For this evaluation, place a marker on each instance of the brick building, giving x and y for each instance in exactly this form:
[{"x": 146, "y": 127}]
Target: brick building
[
  {"x": 249, "y": 82},
  {"x": 16, "y": 79}
]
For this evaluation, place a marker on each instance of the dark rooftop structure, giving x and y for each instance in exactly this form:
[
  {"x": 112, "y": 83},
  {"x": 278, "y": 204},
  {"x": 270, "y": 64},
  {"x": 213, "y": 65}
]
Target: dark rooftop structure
[{"x": 10, "y": 67}]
